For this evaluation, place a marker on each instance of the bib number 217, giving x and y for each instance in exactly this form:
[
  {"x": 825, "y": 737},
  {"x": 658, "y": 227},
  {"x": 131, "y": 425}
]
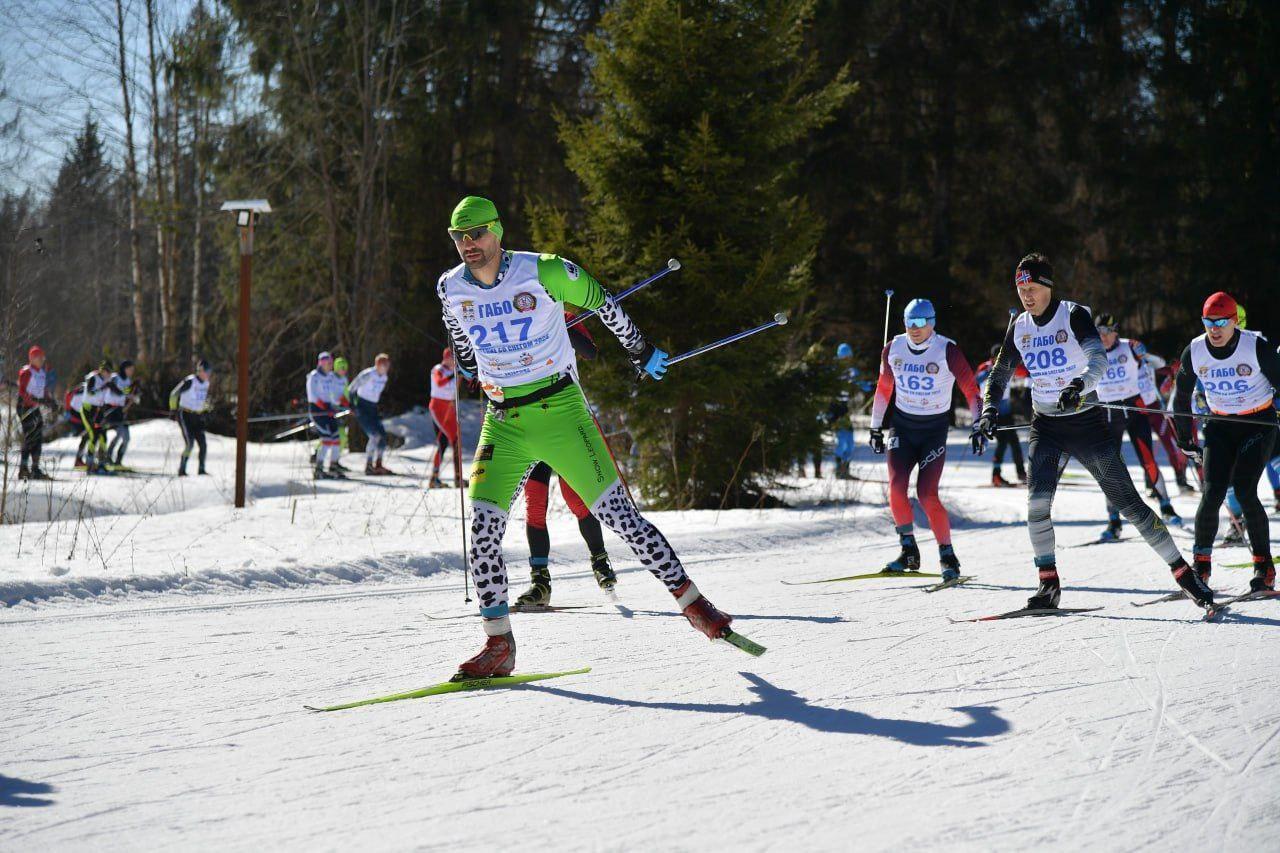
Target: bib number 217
[{"x": 522, "y": 325}]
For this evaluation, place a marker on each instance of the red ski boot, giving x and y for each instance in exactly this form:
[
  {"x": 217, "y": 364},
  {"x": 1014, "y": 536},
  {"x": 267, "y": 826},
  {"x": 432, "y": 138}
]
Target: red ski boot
[
  {"x": 498, "y": 657},
  {"x": 702, "y": 614}
]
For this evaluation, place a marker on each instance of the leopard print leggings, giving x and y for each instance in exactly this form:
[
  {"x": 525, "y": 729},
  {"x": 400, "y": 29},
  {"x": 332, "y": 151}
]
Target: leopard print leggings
[{"x": 614, "y": 509}]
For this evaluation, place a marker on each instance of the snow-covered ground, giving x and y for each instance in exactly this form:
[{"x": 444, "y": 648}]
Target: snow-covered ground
[{"x": 157, "y": 648}]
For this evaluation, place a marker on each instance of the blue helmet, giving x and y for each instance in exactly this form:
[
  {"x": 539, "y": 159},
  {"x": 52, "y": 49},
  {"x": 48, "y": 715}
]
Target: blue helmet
[
  {"x": 919, "y": 309},
  {"x": 844, "y": 351}
]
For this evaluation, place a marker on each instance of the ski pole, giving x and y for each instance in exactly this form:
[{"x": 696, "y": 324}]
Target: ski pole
[
  {"x": 1208, "y": 417},
  {"x": 300, "y": 427},
  {"x": 779, "y": 319},
  {"x": 888, "y": 300},
  {"x": 267, "y": 418},
  {"x": 462, "y": 493},
  {"x": 672, "y": 266}
]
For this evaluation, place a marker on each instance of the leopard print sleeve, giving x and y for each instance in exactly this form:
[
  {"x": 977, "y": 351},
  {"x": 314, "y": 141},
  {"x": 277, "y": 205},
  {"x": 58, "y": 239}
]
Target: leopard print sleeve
[
  {"x": 617, "y": 321},
  {"x": 463, "y": 352}
]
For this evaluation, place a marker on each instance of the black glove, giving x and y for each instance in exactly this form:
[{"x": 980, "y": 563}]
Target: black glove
[
  {"x": 986, "y": 425},
  {"x": 1191, "y": 449},
  {"x": 1069, "y": 399},
  {"x": 983, "y": 429},
  {"x": 877, "y": 440}
]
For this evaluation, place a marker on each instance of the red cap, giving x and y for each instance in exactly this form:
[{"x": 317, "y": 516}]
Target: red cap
[
  {"x": 1220, "y": 305},
  {"x": 34, "y": 351}
]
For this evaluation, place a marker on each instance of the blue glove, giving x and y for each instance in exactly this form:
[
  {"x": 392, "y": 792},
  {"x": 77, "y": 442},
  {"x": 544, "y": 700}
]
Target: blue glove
[
  {"x": 467, "y": 373},
  {"x": 650, "y": 361}
]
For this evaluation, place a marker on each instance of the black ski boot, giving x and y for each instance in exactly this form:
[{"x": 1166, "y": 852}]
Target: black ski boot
[
  {"x": 539, "y": 592},
  {"x": 950, "y": 563},
  {"x": 182, "y": 467},
  {"x": 605, "y": 576},
  {"x": 1049, "y": 592},
  {"x": 1264, "y": 575},
  {"x": 908, "y": 559},
  {"x": 1194, "y": 588},
  {"x": 1202, "y": 560},
  {"x": 23, "y": 473}
]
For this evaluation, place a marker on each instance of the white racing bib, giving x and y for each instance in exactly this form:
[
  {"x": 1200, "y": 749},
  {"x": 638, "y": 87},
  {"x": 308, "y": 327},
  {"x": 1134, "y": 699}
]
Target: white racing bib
[
  {"x": 1233, "y": 385},
  {"x": 37, "y": 383},
  {"x": 515, "y": 326},
  {"x": 1147, "y": 384},
  {"x": 922, "y": 381},
  {"x": 1122, "y": 378},
  {"x": 1051, "y": 353},
  {"x": 193, "y": 399}
]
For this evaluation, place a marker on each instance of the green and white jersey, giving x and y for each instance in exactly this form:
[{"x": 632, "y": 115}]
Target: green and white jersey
[{"x": 514, "y": 329}]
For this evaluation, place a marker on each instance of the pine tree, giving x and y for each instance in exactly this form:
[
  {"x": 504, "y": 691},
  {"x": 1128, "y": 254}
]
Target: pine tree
[{"x": 705, "y": 108}]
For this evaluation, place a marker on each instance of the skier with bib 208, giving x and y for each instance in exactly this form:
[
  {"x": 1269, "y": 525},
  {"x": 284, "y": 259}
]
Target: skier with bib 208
[
  {"x": 505, "y": 315},
  {"x": 1058, "y": 342}
]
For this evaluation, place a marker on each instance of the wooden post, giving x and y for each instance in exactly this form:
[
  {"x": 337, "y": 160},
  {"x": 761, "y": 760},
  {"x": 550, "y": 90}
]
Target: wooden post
[{"x": 242, "y": 379}]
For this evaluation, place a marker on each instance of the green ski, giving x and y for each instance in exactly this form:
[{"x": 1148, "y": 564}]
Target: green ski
[
  {"x": 751, "y": 647},
  {"x": 1248, "y": 565},
  {"x": 866, "y": 577},
  {"x": 938, "y": 587},
  {"x": 455, "y": 687}
]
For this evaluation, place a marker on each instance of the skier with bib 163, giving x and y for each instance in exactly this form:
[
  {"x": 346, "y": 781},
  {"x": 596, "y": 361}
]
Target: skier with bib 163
[
  {"x": 1059, "y": 344},
  {"x": 918, "y": 370},
  {"x": 505, "y": 315},
  {"x": 1240, "y": 374}
]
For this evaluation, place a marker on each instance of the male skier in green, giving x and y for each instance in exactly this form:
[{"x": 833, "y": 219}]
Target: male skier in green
[{"x": 504, "y": 312}]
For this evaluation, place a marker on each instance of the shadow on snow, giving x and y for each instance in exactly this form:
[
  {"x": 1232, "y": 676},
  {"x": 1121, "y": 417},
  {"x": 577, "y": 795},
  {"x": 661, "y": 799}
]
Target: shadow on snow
[{"x": 775, "y": 703}]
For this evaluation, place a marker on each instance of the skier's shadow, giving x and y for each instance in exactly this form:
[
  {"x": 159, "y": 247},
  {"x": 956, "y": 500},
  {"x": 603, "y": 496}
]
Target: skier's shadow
[
  {"x": 775, "y": 703},
  {"x": 23, "y": 794}
]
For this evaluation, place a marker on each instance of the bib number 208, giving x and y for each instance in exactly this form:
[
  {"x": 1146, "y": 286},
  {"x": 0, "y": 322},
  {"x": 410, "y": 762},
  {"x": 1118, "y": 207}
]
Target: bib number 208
[{"x": 1045, "y": 358}]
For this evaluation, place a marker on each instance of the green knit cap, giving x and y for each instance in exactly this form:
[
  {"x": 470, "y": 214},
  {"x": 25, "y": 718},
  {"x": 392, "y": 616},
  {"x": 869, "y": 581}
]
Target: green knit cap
[{"x": 474, "y": 210}]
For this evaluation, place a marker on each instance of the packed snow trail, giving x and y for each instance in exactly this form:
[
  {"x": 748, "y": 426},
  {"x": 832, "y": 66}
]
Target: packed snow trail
[{"x": 156, "y": 714}]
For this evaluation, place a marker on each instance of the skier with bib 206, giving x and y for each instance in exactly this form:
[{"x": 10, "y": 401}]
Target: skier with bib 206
[
  {"x": 1240, "y": 374},
  {"x": 1059, "y": 344},
  {"x": 505, "y": 315},
  {"x": 918, "y": 371},
  {"x": 1121, "y": 384},
  {"x": 364, "y": 392}
]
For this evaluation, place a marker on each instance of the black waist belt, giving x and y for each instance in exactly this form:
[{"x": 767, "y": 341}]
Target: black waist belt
[{"x": 541, "y": 394}]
